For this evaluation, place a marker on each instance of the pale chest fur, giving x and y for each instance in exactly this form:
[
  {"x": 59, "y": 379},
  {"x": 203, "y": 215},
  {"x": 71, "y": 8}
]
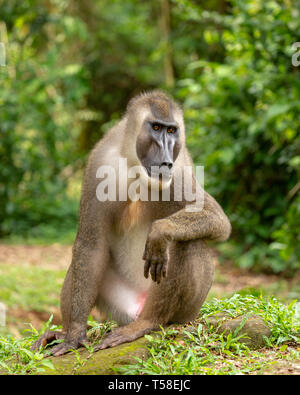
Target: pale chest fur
[{"x": 129, "y": 244}]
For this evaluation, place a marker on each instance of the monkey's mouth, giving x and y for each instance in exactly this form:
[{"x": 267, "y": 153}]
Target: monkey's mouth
[{"x": 161, "y": 173}]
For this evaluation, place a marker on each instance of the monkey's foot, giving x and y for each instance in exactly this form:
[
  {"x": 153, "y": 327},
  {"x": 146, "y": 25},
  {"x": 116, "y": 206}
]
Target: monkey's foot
[
  {"x": 65, "y": 347},
  {"x": 127, "y": 333},
  {"x": 60, "y": 349},
  {"x": 46, "y": 338}
]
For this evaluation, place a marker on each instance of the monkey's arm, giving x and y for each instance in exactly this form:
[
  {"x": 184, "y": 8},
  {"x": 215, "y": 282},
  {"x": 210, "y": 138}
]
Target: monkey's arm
[{"x": 209, "y": 223}]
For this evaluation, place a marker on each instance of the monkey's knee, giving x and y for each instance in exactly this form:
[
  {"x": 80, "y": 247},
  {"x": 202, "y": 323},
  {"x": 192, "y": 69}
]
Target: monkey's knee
[
  {"x": 199, "y": 259},
  {"x": 194, "y": 280}
]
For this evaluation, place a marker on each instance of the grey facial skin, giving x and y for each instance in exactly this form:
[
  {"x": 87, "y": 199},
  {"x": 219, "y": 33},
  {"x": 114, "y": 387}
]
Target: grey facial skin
[
  {"x": 164, "y": 150},
  {"x": 159, "y": 144}
]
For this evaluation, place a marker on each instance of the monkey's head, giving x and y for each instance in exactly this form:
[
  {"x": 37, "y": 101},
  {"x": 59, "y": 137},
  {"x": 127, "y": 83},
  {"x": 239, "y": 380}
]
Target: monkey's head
[{"x": 157, "y": 123}]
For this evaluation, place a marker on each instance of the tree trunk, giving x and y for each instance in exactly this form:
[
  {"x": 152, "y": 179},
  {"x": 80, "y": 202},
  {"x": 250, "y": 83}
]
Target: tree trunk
[{"x": 165, "y": 22}]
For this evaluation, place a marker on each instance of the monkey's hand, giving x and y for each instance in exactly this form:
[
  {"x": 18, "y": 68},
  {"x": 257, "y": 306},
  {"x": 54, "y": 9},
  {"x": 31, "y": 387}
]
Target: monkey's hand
[{"x": 156, "y": 255}]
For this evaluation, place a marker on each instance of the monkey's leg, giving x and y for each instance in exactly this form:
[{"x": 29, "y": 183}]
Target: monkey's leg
[
  {"x": 177, "y": 298},
  {"x": 79, "y": 293},
  {"x": 88, "y": 266}
]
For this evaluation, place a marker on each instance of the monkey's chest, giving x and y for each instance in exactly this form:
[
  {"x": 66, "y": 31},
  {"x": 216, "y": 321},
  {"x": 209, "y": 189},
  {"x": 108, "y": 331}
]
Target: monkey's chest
[{"x": 127, "y": 252}]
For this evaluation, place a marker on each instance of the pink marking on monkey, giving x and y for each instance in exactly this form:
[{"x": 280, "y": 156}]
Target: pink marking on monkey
[
  {"x": 141, "y": 302},
  {"x": 120, "y": 295}
]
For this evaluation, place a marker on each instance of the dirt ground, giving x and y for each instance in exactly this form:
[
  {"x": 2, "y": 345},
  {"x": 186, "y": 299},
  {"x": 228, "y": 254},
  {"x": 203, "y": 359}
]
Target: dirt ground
[{"x": 54, "y": 256}]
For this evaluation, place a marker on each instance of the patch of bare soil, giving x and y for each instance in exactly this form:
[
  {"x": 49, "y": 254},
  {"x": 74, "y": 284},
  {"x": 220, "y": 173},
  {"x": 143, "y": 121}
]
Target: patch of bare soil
[
  {"x": 230, "y": 279},
  {"x": 21, "y": 319},
  {"x": 234, "y": 279},
  {"x": 50, "y": 256},
  {"x": 266, "y": 362},
  {"x": 59, "y": 256}
]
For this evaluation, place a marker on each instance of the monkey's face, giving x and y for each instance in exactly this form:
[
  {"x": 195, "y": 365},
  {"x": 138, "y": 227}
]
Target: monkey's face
[{"x": 157, "y": 146}]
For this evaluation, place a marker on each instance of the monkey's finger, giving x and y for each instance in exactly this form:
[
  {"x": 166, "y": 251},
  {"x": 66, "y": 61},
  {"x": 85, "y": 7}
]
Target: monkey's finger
[
  {"x": 108, "y": 341},
  {"x": 146, "y": 268},
  {"x": 145, "y": 255},
  {"x": 47, "y": 338},
  {"x": 121, "y": 340},
  {"x": 164, "y": 270},
  {"x": 166, "y": 262},
  {"x": 85, "y": 343},
  {"x": 153, "y": 271},
  {"x": 158, "y": 272},
  {"x": 42, "y": 341},
  {"x": 38, "y": 343},
  {"x": 112, "y": 341},
  {"x": 61, "y": 349}
]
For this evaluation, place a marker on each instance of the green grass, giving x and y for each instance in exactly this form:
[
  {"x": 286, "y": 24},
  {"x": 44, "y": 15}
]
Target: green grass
[
  {"x": 16, "y": 356},
  {"x": 200, "y": 349},
  {"x": 26, "y": 289},
  {"x": 30, "y": 287},
  {"x": 193, "y": 349},
  {"x": 45, "y": 235},
  {"x": 196, "y": 349},
  {"x": 283, "y": 320}
]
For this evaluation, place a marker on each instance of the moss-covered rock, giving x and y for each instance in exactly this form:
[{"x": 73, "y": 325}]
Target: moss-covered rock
[
  {"x": 104, "y": 361},
  {"x": 253, "y": 328},
  {"x": 101, "y": 362}
]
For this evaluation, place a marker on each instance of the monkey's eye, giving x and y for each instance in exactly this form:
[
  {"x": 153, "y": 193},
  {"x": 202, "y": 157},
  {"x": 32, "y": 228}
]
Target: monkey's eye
[
  {"x": 156, "y": 127},
  {"x": 171, "y": 129}
]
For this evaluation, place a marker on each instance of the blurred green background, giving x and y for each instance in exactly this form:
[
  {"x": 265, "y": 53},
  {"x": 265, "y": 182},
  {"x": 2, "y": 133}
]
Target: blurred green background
[{"x": 71, "y": 67}]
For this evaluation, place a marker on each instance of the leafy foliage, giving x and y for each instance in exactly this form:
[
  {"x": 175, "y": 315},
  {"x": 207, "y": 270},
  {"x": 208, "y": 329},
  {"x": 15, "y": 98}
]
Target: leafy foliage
[
  {"x": 243, "y": 114},
  {"x": 72, "y": 66},
  {"x": 38, "y": 130},
  {"x": 16, "y": 356}
]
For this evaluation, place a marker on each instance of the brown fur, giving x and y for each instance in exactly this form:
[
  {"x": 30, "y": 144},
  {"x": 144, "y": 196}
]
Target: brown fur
[
  {"x": 160, "y": 104},
  {"x": 169, "y": 239}
]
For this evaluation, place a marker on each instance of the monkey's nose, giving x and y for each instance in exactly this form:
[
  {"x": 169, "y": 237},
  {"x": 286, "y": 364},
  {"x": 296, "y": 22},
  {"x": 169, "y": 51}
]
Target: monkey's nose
[{"x": 169, "y": 165}]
